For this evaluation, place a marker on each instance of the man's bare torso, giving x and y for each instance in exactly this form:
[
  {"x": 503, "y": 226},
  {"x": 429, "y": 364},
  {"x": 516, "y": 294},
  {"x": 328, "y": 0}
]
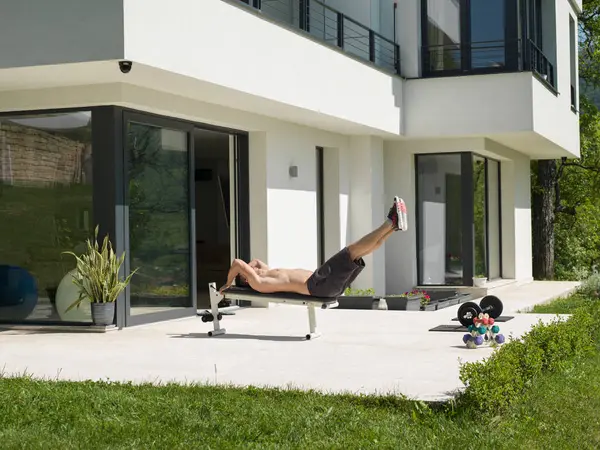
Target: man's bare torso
[{"x": 285, "y": 280}]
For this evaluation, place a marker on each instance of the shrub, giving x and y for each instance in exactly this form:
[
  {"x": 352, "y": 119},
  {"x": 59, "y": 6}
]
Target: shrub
[
  {"x": 494, "y": 383},
  {"x": 591, "y": 286},
  {"x": 350, "y": 292}
]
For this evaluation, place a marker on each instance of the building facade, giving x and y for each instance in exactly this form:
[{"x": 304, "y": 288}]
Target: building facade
[{"x": 193, "y": 132}]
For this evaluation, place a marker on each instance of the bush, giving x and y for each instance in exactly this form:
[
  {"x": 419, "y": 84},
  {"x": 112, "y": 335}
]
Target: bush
[
  {"x": 493, "y": 384},
  {"x": 591, "y": 286},
  {"x": 350, "y": 292}
]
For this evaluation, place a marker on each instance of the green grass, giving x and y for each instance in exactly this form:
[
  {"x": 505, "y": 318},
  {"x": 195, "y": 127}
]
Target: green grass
[
  {"x": 560, "y": 411},
  {"x": 564, "y": 305}
]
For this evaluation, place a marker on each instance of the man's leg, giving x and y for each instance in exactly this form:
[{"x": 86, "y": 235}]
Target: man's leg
[
  {"x": 375, "y": 239},
  {"x": 368, "y": 243}
]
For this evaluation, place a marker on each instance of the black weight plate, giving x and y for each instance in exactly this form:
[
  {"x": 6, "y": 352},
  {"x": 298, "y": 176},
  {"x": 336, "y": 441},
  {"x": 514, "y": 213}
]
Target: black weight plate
[
  {"x": 466, "y": 309},
  {"x": 494, "y": 303}
]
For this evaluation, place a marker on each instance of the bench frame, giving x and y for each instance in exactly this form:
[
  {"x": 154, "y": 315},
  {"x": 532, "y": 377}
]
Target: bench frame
[{"x": 246, "y": 294}]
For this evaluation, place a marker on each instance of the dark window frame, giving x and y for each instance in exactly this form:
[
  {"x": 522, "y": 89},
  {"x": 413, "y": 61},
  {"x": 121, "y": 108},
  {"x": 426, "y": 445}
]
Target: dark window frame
[
  {"x": 511, "y": 42},
  {"x": 100, "y": 160},
  {"x": 467, "y": 216},
  {"x": 109, "y": 208},
  {"x": 320, "y": 206}
]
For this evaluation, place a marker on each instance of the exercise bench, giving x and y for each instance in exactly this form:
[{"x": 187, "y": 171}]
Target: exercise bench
[{"x": 248, "y": 294}]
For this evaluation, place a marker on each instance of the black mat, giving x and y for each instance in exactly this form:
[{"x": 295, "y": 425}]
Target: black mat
[
  {"x": 459, "y": 328},
  {"x": 453, "y": 328},
  {"x": 499, "y": 319}
]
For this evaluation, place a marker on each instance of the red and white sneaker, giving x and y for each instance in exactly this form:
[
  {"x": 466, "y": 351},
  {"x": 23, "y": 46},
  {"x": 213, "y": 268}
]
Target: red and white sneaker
[{"x": 398, "y": 215}]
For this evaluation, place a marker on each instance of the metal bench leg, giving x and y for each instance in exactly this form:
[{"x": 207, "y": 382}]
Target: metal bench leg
[
  {"x": 312, "y": 323},
  {"x": 215, "y": 298}
]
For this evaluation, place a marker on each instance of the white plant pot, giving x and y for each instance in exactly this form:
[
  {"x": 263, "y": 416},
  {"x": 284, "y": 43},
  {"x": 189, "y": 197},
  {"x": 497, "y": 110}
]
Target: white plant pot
[{"x": 479, "y": 282}]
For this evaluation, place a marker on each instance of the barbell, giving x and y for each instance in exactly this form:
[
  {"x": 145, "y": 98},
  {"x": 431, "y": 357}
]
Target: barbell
[{"x": 490, "y": 304}]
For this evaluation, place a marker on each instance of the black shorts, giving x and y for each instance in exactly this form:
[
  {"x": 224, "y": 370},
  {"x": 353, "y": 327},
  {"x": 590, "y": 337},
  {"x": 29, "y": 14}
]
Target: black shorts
[{"x": 332, "y": 278}]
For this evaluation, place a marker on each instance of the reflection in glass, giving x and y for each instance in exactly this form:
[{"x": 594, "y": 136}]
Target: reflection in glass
[
  {"x": 159, "y": 234},
  {"x": 479, "y": 219},
  {"x": 487, "y": 33},
  {"x": 439, "y": 199},
  {"x": 443, "y": 34},
  {"x": 45, "y": 210}
]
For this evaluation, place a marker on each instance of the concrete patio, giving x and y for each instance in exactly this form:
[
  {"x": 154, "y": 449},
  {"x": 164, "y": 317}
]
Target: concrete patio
[{"x": 359, "y": 351}]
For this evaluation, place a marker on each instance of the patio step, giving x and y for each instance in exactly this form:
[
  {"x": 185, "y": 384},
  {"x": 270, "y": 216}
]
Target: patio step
[{"x": 478, "y": 292}]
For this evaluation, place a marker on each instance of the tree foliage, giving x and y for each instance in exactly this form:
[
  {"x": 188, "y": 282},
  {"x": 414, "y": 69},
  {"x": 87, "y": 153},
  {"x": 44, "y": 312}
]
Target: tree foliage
[{"x": 577, "y": 186}]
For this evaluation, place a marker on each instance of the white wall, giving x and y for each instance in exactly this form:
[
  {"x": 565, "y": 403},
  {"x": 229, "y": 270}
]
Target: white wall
[
  {"x": 283, "y": 217},
  {"x": 234, "y": 48},
  {"x": 367, "y": 205},
  {"x": 401, "y": 248},
  {"x": 516, "y": 219},
  {"x": 515, "y": 109},
  {"x": 37, "y": 32}
]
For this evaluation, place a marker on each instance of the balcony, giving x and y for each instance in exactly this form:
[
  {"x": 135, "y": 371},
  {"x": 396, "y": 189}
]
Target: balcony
[
  {"x": 488, "y": 57},
  {"x": 333, "y": 28}
]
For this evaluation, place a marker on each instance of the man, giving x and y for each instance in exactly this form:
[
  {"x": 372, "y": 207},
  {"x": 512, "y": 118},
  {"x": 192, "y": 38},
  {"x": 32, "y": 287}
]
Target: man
[{"x": 332, "y": 278}]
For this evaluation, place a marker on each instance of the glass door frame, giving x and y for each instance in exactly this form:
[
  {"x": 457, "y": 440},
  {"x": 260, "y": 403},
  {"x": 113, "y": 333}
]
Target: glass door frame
[
  {"x": 173, "y": 124},
  {"x": 467, "y": 197},
  {"x": 487, "y": 216},
  {"x": 115, "y": 136},
  {"x": 467, "y": 228}
]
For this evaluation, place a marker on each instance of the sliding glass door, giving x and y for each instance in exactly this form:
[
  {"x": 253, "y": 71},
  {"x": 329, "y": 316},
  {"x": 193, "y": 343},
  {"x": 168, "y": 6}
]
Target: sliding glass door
[
  {"x": 458, "y": 215},
  {"x": 440, "y": 219},
  {"x": 159, "y": 221}
]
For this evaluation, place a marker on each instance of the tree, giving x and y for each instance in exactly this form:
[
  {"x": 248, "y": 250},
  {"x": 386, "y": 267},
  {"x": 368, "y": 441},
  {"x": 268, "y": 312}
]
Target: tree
[{"x": 561, "y": 190}]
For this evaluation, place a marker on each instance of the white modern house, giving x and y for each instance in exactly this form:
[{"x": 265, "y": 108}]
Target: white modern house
[{"x": 195, "y": 131}]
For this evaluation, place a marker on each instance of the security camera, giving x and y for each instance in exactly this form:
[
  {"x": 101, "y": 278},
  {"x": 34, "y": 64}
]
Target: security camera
[{"x": 125, "y": 66}]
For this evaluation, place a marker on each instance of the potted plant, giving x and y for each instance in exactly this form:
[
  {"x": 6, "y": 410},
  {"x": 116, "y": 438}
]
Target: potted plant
[
  {"x": 479, "y": 280},
  {"x": 97, "y": 278},
  {"x": 409, "y": 301},
  {"x": 357, "y": 299}
]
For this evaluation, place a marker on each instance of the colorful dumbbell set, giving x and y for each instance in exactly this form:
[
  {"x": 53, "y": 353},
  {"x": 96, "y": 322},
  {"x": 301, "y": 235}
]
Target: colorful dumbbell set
[{"x": 483, "y": 330}]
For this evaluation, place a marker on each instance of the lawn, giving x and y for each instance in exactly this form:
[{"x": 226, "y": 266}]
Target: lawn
[
  {"x": 560, "y": 411},
  {"x": 564, "y": 305}
]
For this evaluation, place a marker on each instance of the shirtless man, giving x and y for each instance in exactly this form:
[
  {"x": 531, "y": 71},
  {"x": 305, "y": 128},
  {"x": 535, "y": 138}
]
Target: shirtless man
[{"x": 332, "y": 278}]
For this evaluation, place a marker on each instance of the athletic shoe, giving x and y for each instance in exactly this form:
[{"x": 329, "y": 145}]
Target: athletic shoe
[
  {"x": 402, "y": 215},
  {"x": 397, "y": 215}
]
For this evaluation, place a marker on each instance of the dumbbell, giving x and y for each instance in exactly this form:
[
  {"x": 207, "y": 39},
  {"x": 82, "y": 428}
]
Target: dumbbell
[{"x": 489, "y": 304}]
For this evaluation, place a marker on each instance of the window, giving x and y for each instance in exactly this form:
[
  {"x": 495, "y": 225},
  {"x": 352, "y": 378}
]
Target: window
[
  {"x": 488, "y": 24},
  {"x": 46, "y": 209},
  {"x": 443, "y": 34},
  {"x": 440, "y": 205},
  {"x": 458, "y": 218},
  {"x": 573, "y": 58},
  {"x": 469, "y": 35}
]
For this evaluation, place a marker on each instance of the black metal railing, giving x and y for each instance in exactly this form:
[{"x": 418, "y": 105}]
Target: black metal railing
[
  {"x": 487, "y": 57},
  {"x": 334, "y": 28},
  {"x": 538, "y": 62},
  {"x": 465, "y": 57}
]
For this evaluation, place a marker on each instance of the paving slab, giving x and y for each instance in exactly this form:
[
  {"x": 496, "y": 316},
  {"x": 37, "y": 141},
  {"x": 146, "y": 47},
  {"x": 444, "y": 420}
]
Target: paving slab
[{"x": 376, "y": 352}]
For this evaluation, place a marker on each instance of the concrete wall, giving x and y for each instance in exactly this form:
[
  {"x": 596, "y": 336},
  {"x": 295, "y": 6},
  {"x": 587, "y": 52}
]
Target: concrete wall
[{"x": 37, "y": 32}]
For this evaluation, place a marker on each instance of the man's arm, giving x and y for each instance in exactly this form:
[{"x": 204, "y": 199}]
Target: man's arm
[
  {"x": 258, "y": 264},
  {"x": 239, "y": 267}
]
